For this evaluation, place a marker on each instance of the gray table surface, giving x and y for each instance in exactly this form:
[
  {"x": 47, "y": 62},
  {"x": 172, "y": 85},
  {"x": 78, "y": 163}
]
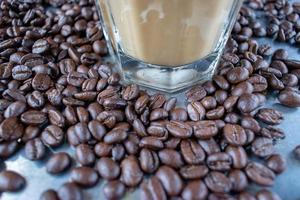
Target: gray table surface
[{"x": 287, "y": 185}]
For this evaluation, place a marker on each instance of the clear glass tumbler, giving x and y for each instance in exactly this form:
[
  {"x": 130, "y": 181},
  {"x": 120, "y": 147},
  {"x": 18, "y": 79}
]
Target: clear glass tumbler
[{"x": 167, "y": 44}]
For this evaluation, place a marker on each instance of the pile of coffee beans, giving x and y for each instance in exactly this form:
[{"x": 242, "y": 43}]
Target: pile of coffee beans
[{"x": 56, "y": 88}]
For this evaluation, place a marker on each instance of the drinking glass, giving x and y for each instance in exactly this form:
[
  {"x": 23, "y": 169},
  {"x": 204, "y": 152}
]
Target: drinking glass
[{"x": 167, "y": 45}]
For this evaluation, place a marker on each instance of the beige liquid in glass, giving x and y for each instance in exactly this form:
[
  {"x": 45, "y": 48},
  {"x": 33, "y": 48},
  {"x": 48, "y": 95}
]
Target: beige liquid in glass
[{"x": 167, "y": 32}]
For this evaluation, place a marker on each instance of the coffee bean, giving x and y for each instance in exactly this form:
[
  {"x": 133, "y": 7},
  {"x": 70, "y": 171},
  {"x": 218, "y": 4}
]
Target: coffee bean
[
  {"x": 238, "y": 156},
  {"x": 260, "y": 174},
  {"x": 70, "y": 191},
  {"x": 238, "y": 180},
  {"x": 58, "y": 163},
  {"x": 266, "y": 194},
  {"x": 218, "y": 182},
  {"x": 15, "y": 109},
  {"x": 30, "y": 132},
  {"x": 272, "y": 133},
  {"x": 158, "y": 114},
  {"x": 230, "y": 103},
  {"x": 114, "y": 190},
  {"x": 84, "y": 176},
  {"x": 196, "y": 93},
  {"x": 193, "y": 171},
  {"x": 205, "y": 129},
  {"x": 21, "y": 72},
  {"x": 115, "y": 136},
  {"x": 84, "y": 154},
  {"x": 290, "y": 98},
  {"x": 237, "y": 74},
  {"x": 179, "y": 129},
  {"x": 150, "y": 142},
  {"x": 250, "y": 123},
  {"x": 131, "y": 92},
  {"x": 234, "y": 134},
  {"x": 8, "y": 148},
  {"x": 170, "y": 158},
  {"x": 276, "y": 163},
  {"x": 219, "y": 161},
  {"x": 102, "y": 149},
  {"x": 153, "y": 189},
  {"x": 35, "y": 149},
  {"x": 280, "y": 54},
  {"x": 131, "y": 174},
  {"x": 192, "y": 152},
  {"x": 170, "y": 104},
  {"x": 40, "y": 46},
  {"x": 52, "y": 136},
  {"x": 149, "y": 160},
  {"x": 56, "y": 118},
  {"x": 41, "y": 82},
  {"x": 270, "y": 116},
  {"x": 178, "y": 114},
  {"x": 78, "y": 134},
  {"x": 170, "y": 180},
  {"x": 262, "y": 146},
  {"x": 11, "y": 129},
  {"x": 195, "y": 190},
  {"x": 11, "y": 181},
  {"x": 33, "y": 117},
  {"x": 247, "y": 103},
  {"x": 216, "y": 113},
  {"x": 49, "y": 195},
  {"x": 118, "y": 152},
  {"x": 107, "y": 168},
  {"x": 35, "y": 99},
  {"x": 196, "y": 111}
]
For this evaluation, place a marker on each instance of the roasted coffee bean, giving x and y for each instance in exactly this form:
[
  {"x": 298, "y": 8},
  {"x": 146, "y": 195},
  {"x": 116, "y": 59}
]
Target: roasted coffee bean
[
  {"x": 56, "y": 118},
  {"x": 131, "y": 92},
  {"x": 237, "y": 74},
  {"x": 70, "y": 191},
  {"x": 270, "y": 116},
  {"x": 102, "y": 149},
  {"x": 84, "y": 176},
  {"x": 276, "y": 163},
  {"x": 84, "y": 154},
  {"x": 193, "y": 171},
  {"x": 238, "y": 156},
  {"x": 250, "y": 123},
  {"x": 196, "y": 111},
  {"x": 205, "y": 129},
  {"x": 195, "y": 190},
  {"x": 21, "y": 72},
  {"x": 196, "y": 93},
  {"x": 208, "y": 102},
  {"x": 158, "y": 114},
  {"x": 131, "y": 174},
  {"x": 272, "y": 133},
  {"x": 244, "y": 87},
  {"x": 235, "y": 134},
  {"x": 170, "y": 104},
  {"x": 30, "y": 132},
  {"x": 15, "y": 109},
  {"x": 96, "y": 129},
  {"x": 78, "y": 134},
  {"x": 238, "y": 180},
  {"x": 179, "y": 129},
  {"x": 49, "y": 195},
  {"x": 219, "y": 161},
  {"x": 221, "y": 82},
  {"x": 262, "y": 147},
  {"x": 132, "y": 144},
  {"x": 41, "y": 82},
  {"x": 107, "y": 168},
  {"x": 260, "y": 174},
  {"x": 11, "y": 129},
  {"x": 141, "y": 103},
  {"x": 280, "y": 54},
  {"x": 118, "y": 152},
  {"x": 115, "y": 136},
  {"x": 11, "y": 181},
  {"x": 170, "y": 180},
  {"x": 247, "y": 103},
  {"x": 218, "y": 182},
  {"x": 52, "y": 136},
  {"x": 265, "y": 194},
  {"x": 192, "y": 152},
  {"x": 40, "y": 46},
  {"x": 221, "y": 96},
  {"x": 157, "y": 101},
  {"x": 230, "y": 103},
  {"x": 170, "y": 158},
  {"x": 35, "y": 149},
  {"x": 177, "y": 114},
  {"x": 150, "y": 142},
  {"x": 8, "y": 148},
  {"x": 35, "y": 99},
  {"x": 114, "y": 190},
  {"x": 290, "y": 98},
  {"x": 153, "y": 189},
  {"x": 33, "y": 117},
  {"x": 232, "y": 118},
  {"x": 58, "y": 163},
  {"x": 149, "y": 160},
  {"x": 216, "y": 113}
]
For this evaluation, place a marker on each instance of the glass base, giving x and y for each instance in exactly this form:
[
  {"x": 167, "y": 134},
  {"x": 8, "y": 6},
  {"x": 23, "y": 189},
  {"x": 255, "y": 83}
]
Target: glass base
[{"x": 167, "y": 79}]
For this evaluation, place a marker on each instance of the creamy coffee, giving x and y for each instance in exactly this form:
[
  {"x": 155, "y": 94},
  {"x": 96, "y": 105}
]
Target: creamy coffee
[{"x": 167, "y": 32}]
